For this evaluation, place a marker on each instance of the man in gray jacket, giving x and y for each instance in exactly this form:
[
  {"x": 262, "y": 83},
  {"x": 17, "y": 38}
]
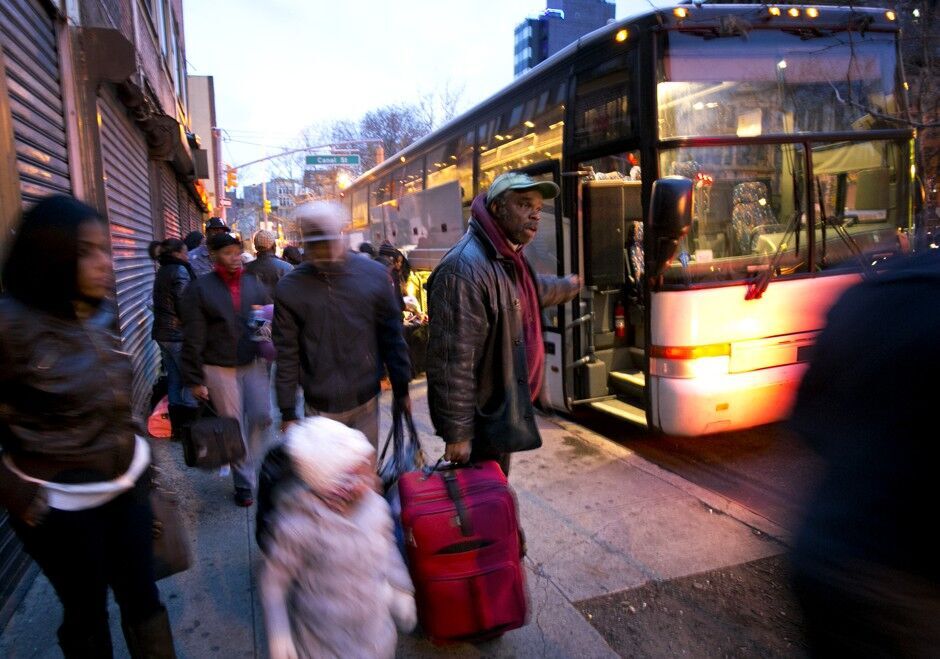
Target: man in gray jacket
[
  {"x": 337, "y": 328},
  {"x": 486, "y": 357}
]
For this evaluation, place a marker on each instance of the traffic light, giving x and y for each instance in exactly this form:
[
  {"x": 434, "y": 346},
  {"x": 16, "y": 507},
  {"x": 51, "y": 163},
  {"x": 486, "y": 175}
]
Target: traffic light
[
  {"x": 231, "y": 178},
  {"x": 267, "y": 205}
]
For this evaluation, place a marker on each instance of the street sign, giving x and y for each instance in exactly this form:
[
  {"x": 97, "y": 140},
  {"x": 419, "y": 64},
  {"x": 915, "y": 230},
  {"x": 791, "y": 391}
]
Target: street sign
[{"x": 333, "y": 160}]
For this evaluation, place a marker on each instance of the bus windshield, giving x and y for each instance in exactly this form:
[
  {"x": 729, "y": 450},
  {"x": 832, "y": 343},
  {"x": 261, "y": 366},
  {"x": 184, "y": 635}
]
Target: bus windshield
[
  {"x": 751, "y": 201},
  {"x": 775, "y": 82}
]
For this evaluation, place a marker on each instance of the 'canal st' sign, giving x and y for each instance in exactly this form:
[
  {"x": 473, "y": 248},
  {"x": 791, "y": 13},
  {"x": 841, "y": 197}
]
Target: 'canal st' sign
[{"x": 333, "y": 160}]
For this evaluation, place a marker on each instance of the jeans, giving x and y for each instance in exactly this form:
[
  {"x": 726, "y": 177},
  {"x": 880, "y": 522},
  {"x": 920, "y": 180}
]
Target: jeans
[
  {"x": 243, "y": 393},
  {"x": 83, "y": 552},
  {"x": 177, "y": 393}
]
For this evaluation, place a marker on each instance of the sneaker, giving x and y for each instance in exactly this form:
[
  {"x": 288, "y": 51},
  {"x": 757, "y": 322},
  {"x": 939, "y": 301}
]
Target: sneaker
[{"x": 243, "y": 498}]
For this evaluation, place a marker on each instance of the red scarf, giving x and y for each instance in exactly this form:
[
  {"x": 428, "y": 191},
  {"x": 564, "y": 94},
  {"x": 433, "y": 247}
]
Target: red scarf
[
  {"x": 233, "y": 281},
  {"x": 528, "y": 294}
]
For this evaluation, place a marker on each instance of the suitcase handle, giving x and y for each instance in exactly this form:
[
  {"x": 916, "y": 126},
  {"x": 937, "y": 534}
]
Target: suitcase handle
[
  {"x": 443, "y": 465},
  {"x": 453, "y": 491}
]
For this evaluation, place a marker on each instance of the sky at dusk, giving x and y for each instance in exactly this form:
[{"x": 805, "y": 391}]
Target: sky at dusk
[{"x": 282, "y": 65}]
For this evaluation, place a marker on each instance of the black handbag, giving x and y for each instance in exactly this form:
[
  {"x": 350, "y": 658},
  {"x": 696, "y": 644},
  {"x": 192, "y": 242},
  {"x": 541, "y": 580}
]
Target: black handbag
[
  {"x": 170, "y": 542},
  {"x": 212, "y": 442}
]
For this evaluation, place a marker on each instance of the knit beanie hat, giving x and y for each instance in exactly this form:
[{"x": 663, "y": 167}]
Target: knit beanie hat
[
  {"x": 264, "y": 239},
  {"x": 323, "y": 451}
]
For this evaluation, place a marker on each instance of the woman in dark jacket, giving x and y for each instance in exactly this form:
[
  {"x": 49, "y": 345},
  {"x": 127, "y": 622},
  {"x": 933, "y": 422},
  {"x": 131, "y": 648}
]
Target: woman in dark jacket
[
  {"x": 221, "y": 356},
  {"x": 73, "y": 474},
  {"x": 173, "y": 276}
]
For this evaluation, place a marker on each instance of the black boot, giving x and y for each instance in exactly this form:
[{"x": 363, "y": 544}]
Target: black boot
[
  {"x": 176, "y": 421},
  {"x": 150, "y": 639},
  {"x": 94, "y": 644}
]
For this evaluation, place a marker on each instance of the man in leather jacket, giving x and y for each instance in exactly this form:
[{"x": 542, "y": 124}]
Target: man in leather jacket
[
  {"x": 267, "y": 267},
  {"x": 485, "y": 353},
  {"x": 337, "y": 328}
]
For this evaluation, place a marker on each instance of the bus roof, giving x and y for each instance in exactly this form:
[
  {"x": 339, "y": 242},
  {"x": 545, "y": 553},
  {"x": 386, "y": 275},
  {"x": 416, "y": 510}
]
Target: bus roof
[{"x": 698, "y": 15}]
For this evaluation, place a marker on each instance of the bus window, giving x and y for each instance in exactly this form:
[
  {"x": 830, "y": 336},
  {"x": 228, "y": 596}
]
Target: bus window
[
  {"x": 862, "y": 184},
  {"x": 380, "y": 194},
  {"x": 464, "y": 158},
  {"x": 774, "y": 82},
  {"x": 532, "y": 141},
  {"x": 603, "y": 109},
  {"x": 360, "y": 209},
  {"x": 748, "y": 201},
  {"x": 442, "y": 164},
  {"x": 411, "y": 177}
]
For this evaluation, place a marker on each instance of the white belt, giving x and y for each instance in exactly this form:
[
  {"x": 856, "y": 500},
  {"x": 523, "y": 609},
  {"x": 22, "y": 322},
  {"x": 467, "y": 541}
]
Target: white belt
[{"x": 82, "y": 496}]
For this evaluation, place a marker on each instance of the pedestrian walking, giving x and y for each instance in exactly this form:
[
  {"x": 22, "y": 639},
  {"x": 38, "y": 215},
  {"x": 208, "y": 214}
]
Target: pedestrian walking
[
  {"x": 333, "y": 582},
  {"x": 221, "y": 361},
  {"x": 75, "y": 475},
  {"x": 337, "y": 327},
  {"x": 485, "y": 357},
  {"x": 367, "y": 249},
  {"x": 267, "y": 267},
  {"x": 173, "y": 276},
  {"x": 200, "y": 258},
  {"x": 864, "y": 572},
  {"x": 293, "y": 255},
  {"x": 193, "y": 240},
  {"x": 392, "y": 258}
]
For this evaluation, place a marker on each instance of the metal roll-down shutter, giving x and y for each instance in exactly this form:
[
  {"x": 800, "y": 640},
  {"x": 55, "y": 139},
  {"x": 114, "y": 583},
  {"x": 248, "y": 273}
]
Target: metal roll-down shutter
[
  {"x": 31, "y": 59},
  {"x": 172, "y": 224},
  {"x": 127, "y": 190},
  {"x": 33, "y": 84}
]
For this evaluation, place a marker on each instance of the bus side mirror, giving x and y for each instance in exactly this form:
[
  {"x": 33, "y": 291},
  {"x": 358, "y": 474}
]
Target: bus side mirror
[{"x": 670, "y": 219}]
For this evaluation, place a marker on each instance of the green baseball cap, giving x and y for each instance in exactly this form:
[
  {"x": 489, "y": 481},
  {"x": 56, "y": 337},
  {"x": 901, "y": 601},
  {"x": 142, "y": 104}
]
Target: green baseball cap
[{"x": 519, "y": 182}]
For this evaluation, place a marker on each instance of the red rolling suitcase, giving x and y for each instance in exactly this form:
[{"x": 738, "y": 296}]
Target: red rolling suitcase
[{"x": 464, "y": 552}]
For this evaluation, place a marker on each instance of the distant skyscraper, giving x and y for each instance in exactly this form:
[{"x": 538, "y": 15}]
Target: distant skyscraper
[{"x": 562, "y": 23}]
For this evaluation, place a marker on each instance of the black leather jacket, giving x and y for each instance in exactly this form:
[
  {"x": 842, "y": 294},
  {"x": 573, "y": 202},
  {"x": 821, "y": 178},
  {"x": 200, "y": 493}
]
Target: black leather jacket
[
  {"x": 336, "y": 333},
  {"x": 65, "y": 386},
  {"x": 476, "y": 364},
  {"x": 172, "y": 278},
  {"x": 269, "y": 269},
  {"x": 214, "y": 333}
]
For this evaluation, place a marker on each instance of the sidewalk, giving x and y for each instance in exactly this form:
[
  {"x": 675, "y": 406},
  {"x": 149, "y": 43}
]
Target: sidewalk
[{"x": 598, "y": 520}]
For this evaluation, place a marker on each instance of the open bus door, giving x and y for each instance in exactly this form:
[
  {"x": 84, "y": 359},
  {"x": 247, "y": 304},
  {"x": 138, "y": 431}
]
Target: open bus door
[{"x": 609, "y": 373}]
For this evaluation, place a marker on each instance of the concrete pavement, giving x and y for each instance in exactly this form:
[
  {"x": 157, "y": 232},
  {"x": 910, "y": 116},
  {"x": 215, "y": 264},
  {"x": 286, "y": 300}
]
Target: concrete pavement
[{"x": 598, "y": 519}]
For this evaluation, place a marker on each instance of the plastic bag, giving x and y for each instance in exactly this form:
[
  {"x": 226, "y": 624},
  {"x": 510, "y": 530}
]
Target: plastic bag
[{"x": 407, "y": 454}]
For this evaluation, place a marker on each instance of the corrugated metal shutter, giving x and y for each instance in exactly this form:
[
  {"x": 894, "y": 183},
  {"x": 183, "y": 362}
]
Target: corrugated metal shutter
[
  {"x": 32, "y": 64},
  {"x": 127, "y": 186},
  {"x": 195, "y": 217},
  {"x": 173, "y": 227},
  {"x": 31, "y": 60}
]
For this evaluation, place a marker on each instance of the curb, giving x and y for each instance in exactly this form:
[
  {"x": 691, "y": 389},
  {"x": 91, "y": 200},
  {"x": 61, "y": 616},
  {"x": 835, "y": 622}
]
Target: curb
[{"x": 714, "y": 501}]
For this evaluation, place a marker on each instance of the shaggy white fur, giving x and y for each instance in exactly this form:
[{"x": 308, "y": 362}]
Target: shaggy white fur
[{"x": 332, "y": 585}]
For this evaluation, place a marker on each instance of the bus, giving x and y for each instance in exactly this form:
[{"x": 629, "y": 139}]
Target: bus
[{"x": 726, "y": 173}]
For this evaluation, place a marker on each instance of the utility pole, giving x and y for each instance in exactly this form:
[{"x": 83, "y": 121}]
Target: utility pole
[
  {"x": 264, "y": 204},
  {"x": 221, "y": 198}
]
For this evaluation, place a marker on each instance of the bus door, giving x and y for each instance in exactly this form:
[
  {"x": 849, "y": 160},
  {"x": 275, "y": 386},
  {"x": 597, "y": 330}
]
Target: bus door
[{"x": 608, "y": 374}]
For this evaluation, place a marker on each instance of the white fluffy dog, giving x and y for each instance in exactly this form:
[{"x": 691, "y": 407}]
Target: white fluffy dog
[{"x": 333, "y": 583}]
